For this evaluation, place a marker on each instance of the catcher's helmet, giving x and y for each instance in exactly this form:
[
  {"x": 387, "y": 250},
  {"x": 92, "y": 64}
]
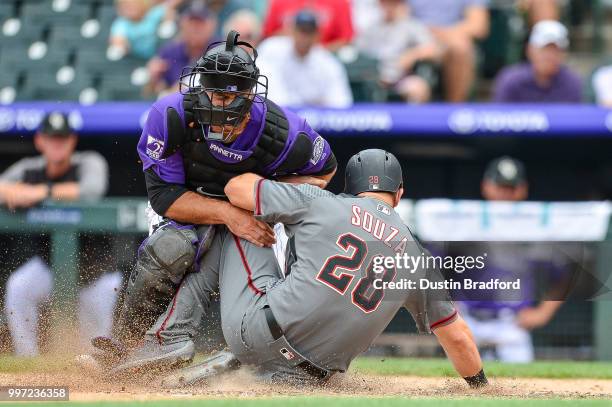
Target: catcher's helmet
[
  {"x": 372, "y": 170},
  {"x": 226, "y": 69}
]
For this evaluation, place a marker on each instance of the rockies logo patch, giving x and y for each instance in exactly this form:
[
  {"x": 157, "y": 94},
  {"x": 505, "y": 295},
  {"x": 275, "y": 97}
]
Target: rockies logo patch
[
  {"x": 318, "y": 145},
  {"x": 155, "y": 147}
]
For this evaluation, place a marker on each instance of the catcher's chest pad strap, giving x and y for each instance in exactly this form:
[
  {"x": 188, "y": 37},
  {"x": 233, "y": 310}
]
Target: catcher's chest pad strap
[
  {"x": 275, "y": 138},
  {"x": 177, "y": 134}
]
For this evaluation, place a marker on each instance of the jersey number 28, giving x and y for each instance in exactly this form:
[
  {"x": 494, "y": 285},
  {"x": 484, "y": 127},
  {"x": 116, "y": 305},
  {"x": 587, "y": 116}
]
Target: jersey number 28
[{"x": 338, "y": 273}]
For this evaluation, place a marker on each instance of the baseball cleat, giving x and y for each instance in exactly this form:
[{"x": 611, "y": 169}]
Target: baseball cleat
[
  {"x": 152, "y": 356},
  {"x": 215, "y": 365}
]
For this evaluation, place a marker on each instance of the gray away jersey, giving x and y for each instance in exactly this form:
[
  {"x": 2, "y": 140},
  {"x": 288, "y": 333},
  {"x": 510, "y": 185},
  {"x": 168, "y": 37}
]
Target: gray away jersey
[{"x": 327, "y": 305}]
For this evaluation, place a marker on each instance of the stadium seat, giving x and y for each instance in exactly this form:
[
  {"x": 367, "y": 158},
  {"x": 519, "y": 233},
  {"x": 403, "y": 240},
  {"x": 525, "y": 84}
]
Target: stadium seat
[
  {"x": 362, "y": 73},
  {"x": 504, "y": 45},
  {"x": 106, "y": 14},
  {"x": 47, "y": 14},
  {"x": 123, "y": 87},
  {"x": 6, "y": 11},
  {"x": 96, "y": 62},
  {"x": 14, "y": 32},
  {"x": 28, "y": 59},
  {"x": 72, "y": 36},
  {"x": 9, "y": 83},
  {"x": 58, "y": 86}
]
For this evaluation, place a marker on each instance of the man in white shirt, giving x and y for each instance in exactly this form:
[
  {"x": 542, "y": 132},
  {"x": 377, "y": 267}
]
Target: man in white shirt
[
  {"x": 300, "y": 71},
  {"x": 399, "y": 42},
  {"x": 602, "y": 85}
]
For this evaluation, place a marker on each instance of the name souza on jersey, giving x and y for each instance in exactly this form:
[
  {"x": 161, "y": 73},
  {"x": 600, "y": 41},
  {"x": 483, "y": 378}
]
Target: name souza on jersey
[{"x": 450, "y": 284}]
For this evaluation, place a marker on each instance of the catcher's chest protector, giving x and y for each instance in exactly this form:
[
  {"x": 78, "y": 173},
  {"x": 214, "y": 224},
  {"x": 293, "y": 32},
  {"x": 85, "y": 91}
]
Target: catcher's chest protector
[{"x": 208, "y": 174}]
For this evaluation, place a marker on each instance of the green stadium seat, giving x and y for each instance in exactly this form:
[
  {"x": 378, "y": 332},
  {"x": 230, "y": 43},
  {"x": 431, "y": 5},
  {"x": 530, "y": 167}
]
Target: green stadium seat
[
  {"x": 9, "y": 78},
  {"x": 71, "y": 37},
  {"x": 362, "y": 73},
  {"x": 106, "y": 13},
  {"x": 504, "y": 44},
  {"x": 19, "y": 59},
  {"x": 120, "y": 87},
  {"x": 7, "y": 10},
  {"x": 14, "y": 32},
  {"x": 9, "y": 84},
  {"x": 39, "y": 86},
  {"x": 96, "y": 62},
  {"x": 44, "y": 13}
]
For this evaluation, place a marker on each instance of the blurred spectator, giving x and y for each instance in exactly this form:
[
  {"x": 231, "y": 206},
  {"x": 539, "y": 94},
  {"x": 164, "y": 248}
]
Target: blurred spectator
[
  {"x": 499, "y": 319},
  {"x": 365, "y": 13},
  {"x": 197, "y": 27},
  {"x": 300, "y": 71},
  {"x": 505, "y": 179},
  {"x": 456, "y": 24},
  {"x": 602, "y": 86},
  {"x": 545, "y": 78},
  {"x": 260, "y": 7},
  {"x": 399, "y": 42},
  {"x": 247, "y": 24},
  {"x": 63, "y": 175},
  {"x": 334, "y": 17},
  {"x": 134, "y": 31},
  {"x": 224, "y": 9},
  {"x": 540, "y": 10}
]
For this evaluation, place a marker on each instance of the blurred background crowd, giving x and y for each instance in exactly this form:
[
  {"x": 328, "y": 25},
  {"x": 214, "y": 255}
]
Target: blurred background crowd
[{"x": 333, "y": 52}]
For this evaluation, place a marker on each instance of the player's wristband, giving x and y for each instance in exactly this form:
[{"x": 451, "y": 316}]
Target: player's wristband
[
  {"x": 49, "y": 190},
  {"x": 478, "y": 380}
]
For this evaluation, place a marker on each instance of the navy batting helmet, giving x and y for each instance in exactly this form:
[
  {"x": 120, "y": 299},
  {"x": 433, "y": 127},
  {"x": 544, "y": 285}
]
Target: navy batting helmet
[
  {"x": 226, "y": 68},
  {"x": 372, "y": 170}
]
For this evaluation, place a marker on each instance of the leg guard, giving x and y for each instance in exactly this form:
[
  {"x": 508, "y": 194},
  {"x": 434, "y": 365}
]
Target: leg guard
[{"x": 163, "y": 260}]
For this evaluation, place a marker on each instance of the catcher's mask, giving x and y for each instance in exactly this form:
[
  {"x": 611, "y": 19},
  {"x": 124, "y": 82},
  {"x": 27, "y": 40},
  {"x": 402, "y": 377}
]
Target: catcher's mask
[{"x": 225, "y": 82}]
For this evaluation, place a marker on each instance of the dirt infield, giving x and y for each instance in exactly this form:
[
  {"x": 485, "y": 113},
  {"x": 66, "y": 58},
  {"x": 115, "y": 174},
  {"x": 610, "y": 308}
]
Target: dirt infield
[{"x": 242, "y": 384}]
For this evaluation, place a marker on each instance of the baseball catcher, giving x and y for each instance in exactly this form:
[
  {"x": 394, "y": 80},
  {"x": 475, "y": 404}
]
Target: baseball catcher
[
  {"x": 219, "y": 125},
  {"x": 333, "y": 301}
]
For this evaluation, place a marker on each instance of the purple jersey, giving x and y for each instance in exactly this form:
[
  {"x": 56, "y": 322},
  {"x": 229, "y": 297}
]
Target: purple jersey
[
  {"x": 154, "y": 141},
  {"x": 517, "y": 84}
]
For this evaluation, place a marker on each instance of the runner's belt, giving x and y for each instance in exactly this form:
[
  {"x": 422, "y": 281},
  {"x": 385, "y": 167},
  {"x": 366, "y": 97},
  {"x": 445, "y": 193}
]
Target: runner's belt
[{"x": 289, "y": 352}]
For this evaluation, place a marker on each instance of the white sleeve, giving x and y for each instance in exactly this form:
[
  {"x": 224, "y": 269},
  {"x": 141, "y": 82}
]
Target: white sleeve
[
  {"x": 92, "y": 175},
  {"x": 268, "y": 62},
  {"x": 602, "y": 85},
  {"x": 15, "y": 172}
]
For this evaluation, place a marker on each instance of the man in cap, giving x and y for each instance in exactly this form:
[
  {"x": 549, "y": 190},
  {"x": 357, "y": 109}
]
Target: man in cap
[
  {"x": 500, "y": 320},
  {"x": 544, "y": 78},
  {"x": 197, "y": 27},
  {"x": 58, "y": 174},
  {"x": 505, "y": 180},
  {"x": 300, "y": 70},
  {"x": 336, "y": 26}
]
